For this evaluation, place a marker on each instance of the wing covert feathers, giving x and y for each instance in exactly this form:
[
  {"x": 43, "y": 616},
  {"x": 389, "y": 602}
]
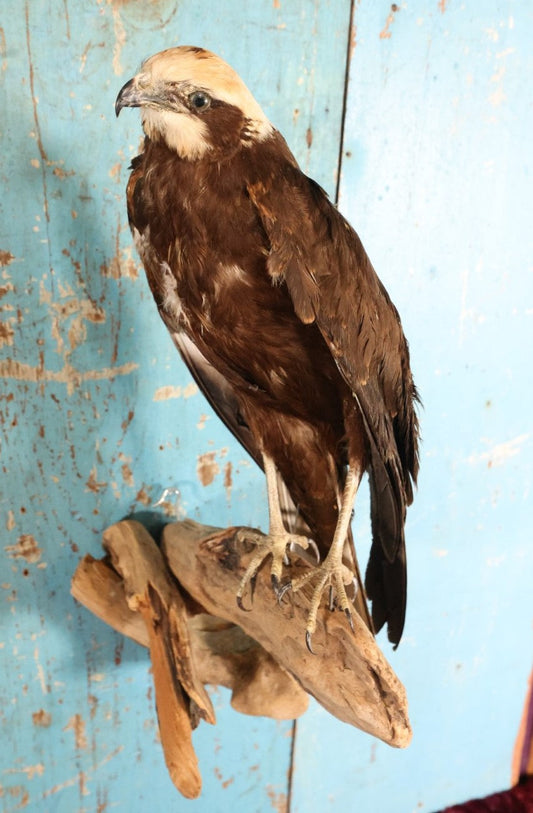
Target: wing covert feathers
[{"x": 320, "y": 258}]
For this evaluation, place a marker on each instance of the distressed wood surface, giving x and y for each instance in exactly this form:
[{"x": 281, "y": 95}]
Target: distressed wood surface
[{"x": 97, "y": 413}]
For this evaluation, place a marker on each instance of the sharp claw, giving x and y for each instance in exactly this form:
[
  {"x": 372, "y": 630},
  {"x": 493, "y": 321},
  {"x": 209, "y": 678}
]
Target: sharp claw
[
  {"x": 275, "y": 583},
  {"x": 282, "y": 590},
  {"x": 308, "y": 642},
  {"x": 348, "y": 615},
  {"x": 314, "y": 548},
  {"x": 331, "y": 604},
  {"x": 241, "y": 606}
]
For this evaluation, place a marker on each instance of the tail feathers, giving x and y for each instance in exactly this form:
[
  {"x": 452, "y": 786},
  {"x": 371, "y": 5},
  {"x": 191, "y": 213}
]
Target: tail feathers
[
  {"x": 386, "y": 574},
  {"x": 386, "y": 587}
]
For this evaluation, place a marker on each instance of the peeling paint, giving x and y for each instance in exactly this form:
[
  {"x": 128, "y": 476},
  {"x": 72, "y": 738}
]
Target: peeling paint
[
  {"x": 26, "y": 548},
  {"x": 501, "y": 452},
  {"x": 77, "y": 725},
  {"x": 228, "y": 480},
  {"x": 122, "y": 265},
  {"x": 41, "y": 718},
  {"x": 6, "y": 258},
  {"x": 171, "y": 391},
  {"x": 278, "y": 801},
  {"x": 6, "y": 333},
  {"x": 30, "y": 770},
  {"x": 385, "y": 33},
  {"x": 68, "y": 375},
  {"x": 207, "y": 468}
]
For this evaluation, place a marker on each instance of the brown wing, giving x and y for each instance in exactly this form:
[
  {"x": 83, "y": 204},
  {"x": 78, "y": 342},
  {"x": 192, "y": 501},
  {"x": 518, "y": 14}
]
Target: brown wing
[
  {"x": 320, "y": 258},
  {"x": 215, "y": 387}
]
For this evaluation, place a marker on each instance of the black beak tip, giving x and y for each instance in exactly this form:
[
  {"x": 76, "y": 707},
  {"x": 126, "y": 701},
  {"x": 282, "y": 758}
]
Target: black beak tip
[{"x": 124, "y": 97}]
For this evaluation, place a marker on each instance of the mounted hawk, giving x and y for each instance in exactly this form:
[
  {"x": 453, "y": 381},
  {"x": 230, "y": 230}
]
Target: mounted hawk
[{"x": 274, "y": 305}]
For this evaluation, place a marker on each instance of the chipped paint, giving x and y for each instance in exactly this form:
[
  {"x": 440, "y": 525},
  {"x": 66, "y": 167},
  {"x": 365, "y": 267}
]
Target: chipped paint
[
  {"x": 385, "y": 33},
  {"x": 69, "y": 375},
  {"x": 500, "y": 453},
  {"x": 207, "y": 468},
  {"x": 6, "y": 333},
  {"x": 172, "y": 391},
  {"x": 41, "y": 718},
  {"x": 77, "y": 725},
  {"x": 30, "y": 770},
  {"x": 278, "y": 801},
  {"x": 228, "y": 479},
  {"x": 122, "y": 265},
  {"x": 6, "y": 258},
  {"x": 25, "y": 548}
]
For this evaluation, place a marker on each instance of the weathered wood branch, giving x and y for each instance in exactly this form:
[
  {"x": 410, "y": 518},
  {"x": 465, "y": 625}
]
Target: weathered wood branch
[
  {"x": 348, "y": 674},
  {"x": 180, "y": 602}
]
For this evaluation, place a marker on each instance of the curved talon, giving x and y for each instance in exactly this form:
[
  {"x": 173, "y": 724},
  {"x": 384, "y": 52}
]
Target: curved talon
[
  {"x": 308, "y": 642},
  {"x": 331, "y": 600},
  {"x": 348, "y": 615},
  {"x": 314, "y": 548},
  {"x": 282, "y": 590},
  {"x": 241, "y": 606}
]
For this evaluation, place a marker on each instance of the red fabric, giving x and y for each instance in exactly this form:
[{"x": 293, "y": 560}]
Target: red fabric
[{"x": 516, "y": 800}]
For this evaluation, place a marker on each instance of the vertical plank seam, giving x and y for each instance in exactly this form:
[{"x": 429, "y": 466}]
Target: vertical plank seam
[
  {"x": 345, "y": 99},
  {"x": 291, "y": 765}
]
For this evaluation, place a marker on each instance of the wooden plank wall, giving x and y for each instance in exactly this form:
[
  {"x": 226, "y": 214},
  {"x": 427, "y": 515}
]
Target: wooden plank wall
[{"x": 98, "y": 414}]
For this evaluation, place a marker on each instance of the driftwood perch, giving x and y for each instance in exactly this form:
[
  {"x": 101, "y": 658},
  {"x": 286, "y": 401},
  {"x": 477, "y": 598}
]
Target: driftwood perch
[{"x": 180, "y": 602}]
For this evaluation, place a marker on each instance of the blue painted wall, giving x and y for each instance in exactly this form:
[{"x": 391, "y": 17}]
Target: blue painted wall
[{"x": 97, "y": 412}]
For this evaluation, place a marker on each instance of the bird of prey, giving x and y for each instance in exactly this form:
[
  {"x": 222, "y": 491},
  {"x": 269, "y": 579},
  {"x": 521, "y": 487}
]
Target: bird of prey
[{"x": 276, "y": 309}]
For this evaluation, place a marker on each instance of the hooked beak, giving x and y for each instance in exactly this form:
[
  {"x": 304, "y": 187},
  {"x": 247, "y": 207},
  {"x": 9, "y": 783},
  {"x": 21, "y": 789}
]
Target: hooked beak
[{"x": 129, "y": 96}]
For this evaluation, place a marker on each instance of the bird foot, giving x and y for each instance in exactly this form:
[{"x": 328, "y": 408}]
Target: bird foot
[
  {"x": 275, "y": 545},
  {"x": 333, "y": 574}
]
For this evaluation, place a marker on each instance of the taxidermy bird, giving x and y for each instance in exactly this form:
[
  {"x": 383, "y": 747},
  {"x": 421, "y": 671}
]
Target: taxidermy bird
[{"x": 276, "y": 309}]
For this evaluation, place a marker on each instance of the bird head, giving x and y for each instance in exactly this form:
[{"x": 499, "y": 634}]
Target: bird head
[{"x": 195, "y": 102}]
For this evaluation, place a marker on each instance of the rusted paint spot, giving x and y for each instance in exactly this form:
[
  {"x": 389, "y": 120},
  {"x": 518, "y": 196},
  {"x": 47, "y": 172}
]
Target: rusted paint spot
[
  {"x": 77, "y": 725},
  {"x": 170, "y": 391},
  {"x": 5, "y": 289},
  {"x": 228, "y": 479},
  {"x": 67, "y": 375},
  {"x": 442, "y": 5},
  {"x": 6, "y": 258},
  {"x": 41, "y": 718},
  {"x": 385, "y": 33},
  {"x": 118, "y": 652},
  {"x": 277, "y": 800},
  {"x": 93, "y": 484},
  {"x": 127, "y": 475},
  {"x": 26, "y": 548},
  {"x": 61, "y": 173},
  {"x": 143, "y": 497},
  {"x": 125, "y": 424},
  {"x": 202, "y": 422},
  {"x": 6, "y": 333},
  {"x": 207, "y": 468},
  {"x": 309, "y": 137},
  {"x": 29, "y": 770},
  {"x": 18, "y": 790},
  {"x": 122, "y": 265},
  {"x": 93, "y": 704}
]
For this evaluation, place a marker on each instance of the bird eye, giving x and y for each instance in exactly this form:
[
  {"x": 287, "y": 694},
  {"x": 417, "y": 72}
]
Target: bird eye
[{"x": 199, "y": 100}]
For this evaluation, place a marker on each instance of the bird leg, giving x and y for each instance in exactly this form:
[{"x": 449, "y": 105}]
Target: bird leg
[
  {"x": 274, "y": 543},
  {"x": 332, "y": 572}
]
